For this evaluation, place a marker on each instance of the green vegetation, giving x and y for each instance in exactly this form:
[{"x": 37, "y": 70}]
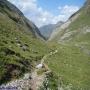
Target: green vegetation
[
  {"x": 81, "y": 26},
  {"x": 20, "y": 50},
  {"x": 72, "y": 66},
  {"x": 41, "y": 71},
  {"x": 71, "y": 63},
  {"x": 81, "y": 22},
  {"x": 78, "y": 29},
  {"x": 51, "y": 82}
]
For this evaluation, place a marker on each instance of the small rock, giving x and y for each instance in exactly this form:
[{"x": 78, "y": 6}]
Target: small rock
[{"x": 39, "y": 66}]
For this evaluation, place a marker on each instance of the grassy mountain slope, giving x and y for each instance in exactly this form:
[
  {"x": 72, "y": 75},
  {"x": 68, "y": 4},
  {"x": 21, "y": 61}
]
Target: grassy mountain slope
[
  {"x": 71, "y": 66},
  {"x": 20, "y": 47},
  {"x": 72, "y": 40},
  {"x": 76, "y": 28}
]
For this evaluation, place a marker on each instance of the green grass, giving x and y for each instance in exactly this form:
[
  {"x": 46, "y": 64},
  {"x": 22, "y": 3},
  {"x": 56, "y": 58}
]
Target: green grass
[
  {"x": 82, "y": 21},
  {"x": 14, "y": 61},
  {"x": 78, "y": 26},
  {"x": 50, "y": 83},
  {"x": 72, "y": 65}
]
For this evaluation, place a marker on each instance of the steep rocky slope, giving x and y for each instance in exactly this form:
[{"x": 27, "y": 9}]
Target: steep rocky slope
[{"x": 20, "y": 47}]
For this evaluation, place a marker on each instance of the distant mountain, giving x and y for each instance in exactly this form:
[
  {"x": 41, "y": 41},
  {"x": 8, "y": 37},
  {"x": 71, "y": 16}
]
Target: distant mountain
[
  {"x": 21, "y": 43},
  {"x": 47, "y": 30}
]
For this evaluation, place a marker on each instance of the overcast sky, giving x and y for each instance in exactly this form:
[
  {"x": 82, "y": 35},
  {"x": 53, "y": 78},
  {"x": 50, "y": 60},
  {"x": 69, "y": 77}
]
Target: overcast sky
[{"x": 43, "y": 12}]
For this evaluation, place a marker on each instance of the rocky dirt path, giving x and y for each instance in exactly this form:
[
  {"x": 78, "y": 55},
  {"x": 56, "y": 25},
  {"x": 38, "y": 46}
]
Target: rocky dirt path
[
  {"x": 30, "y": 81},
  {"x": 38, "y": 80}
]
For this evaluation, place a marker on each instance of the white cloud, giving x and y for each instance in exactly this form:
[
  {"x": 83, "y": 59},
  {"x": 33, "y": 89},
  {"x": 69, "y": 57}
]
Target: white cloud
[
  {"x": 40, "y": 16},
  {"x": 68, "y": 10}
]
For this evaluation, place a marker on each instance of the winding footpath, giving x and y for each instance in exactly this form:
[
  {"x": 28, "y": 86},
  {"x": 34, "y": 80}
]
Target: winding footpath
[{"x": 30, "y": 81}]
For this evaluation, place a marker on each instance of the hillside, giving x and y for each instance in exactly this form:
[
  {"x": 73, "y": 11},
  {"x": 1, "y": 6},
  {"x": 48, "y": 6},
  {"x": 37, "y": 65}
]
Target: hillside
[
  {"x": 21, "y": 43},
  {"x": 72, "y": 40},
  {"x": 76, "y": 27},
  {"x": 64, "y": 58}
]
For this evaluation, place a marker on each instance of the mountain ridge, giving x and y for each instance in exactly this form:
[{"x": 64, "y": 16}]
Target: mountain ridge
[
  {"x": 19, "y": 17},
  {"x": 21, "y": 43},
  {"x": 72, "y": 19}
]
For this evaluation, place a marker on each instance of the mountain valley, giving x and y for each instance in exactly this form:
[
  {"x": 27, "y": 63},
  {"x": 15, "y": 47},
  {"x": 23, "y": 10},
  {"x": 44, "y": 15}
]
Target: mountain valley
[{"x": 55, "y": 59}]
